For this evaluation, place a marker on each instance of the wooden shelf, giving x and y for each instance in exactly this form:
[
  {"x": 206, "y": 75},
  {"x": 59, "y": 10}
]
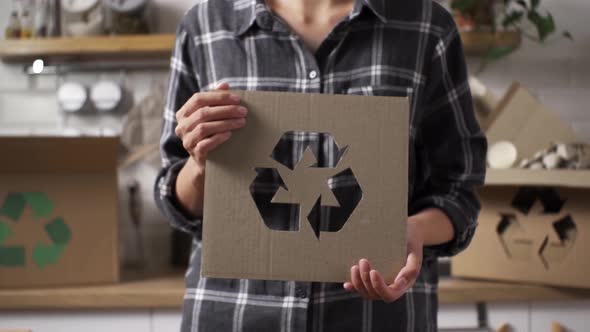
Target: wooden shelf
[
  {"x": 479, "y": 42},
  {"x": 64, "y": 49},
  {"x": 528, "y": 177},
  {"x": 160, "y": 46},
  {"x": 167, "y": 292}
]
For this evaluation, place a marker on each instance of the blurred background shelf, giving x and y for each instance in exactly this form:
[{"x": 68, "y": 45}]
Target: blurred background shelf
[
  {"x": 55, "y": 50},
  {"x": 477, "y": 43},
  {"x": 159, "y": 46}
]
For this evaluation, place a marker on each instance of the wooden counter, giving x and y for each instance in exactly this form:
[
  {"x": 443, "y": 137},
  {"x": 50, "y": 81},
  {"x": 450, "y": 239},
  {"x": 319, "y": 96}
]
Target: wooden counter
[{"x": 167, "y": 293}]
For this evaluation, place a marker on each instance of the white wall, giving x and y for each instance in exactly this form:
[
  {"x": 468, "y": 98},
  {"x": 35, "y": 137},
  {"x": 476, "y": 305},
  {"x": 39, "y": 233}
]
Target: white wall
[{"x": 557, "y": 73}]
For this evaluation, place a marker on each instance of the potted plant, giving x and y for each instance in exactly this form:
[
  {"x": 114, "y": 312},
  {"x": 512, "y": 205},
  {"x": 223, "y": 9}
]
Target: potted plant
[{"x": 523, "y": 17}]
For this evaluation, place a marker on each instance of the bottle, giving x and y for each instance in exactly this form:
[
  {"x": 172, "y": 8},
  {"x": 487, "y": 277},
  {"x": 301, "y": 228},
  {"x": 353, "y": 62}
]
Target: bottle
[
  {"x": 53, "y": 22},
  {"x": 40, "y": 20},
  {"x": 26, "y": 31},
  {"x": 499, "y": 15},
  {"x": 13, "y": 29}
]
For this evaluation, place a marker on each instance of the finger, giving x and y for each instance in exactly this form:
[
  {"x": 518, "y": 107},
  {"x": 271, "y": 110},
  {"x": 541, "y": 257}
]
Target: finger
[
  {"x": 365, "y": 269},
  {"x": 387, "y": 293},
  {"x": 348, "y": 286},
  {"x": 223, "y": 86},
  {"x": 209, "y": 144},
  {"x": 355, "y": 279},
  {"x": 204, "y": 130},
  {"x": 207, "y": 114},
  {"x": 210, "y": 98}
]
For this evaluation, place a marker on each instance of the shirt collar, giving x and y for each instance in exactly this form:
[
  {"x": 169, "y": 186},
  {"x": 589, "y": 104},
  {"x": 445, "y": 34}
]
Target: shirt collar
[{"x": 248, "y": 12}]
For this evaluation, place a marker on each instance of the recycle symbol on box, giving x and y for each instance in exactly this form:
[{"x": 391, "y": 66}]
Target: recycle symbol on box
[
  {"x": 42, "y": 254},
  {"x": 543, "y": 207},
  {"x": 310, "y": 175}
]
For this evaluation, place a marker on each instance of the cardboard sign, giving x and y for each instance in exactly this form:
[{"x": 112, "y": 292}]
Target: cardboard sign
[
  {"x": 277, "y": 214},
  {"x": 58, "y": 211}
]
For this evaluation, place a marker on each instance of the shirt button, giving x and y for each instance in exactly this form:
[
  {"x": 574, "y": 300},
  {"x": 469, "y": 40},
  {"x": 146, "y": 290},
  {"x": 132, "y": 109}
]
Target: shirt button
[
  {"x": 313, "y": 74},
  {"x": 301, "y": 293}
]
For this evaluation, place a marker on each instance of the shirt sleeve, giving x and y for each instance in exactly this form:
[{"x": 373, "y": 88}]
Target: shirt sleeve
[
  {"x": 183, "y": 84},
  {"x": 454, "y": 145}
]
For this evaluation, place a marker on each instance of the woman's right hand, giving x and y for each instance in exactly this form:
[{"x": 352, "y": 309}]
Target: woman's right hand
[{"x": 207, "y": 120}]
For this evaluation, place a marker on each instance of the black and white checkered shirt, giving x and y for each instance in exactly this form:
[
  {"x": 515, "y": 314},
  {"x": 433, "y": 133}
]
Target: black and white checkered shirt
[{"x": 383, "y": 47}]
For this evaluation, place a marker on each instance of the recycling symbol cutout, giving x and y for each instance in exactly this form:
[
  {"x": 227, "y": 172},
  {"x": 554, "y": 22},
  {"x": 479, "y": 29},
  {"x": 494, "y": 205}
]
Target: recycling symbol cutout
[
  {"x": 555, "y": 231},
  {"x": 312, "y": 177},
  {"x": 42, "y": 254}
]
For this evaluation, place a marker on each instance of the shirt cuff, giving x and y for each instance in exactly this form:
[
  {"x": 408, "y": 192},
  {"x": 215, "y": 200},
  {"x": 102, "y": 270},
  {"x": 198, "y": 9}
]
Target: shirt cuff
[
  {"x": 463, "y": 225},
  {"x": 165, "y": 197}
]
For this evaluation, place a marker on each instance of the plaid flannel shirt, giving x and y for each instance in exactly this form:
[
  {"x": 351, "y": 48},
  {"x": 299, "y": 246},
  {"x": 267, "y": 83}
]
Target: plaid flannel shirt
[{"x": 383, "y": 47}]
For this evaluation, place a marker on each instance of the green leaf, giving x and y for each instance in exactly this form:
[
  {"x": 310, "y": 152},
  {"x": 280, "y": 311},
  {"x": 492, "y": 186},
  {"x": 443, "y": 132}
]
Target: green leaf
[
  {"x": 545, "y": 24},
  {"x": 512, "y": 18},
  {"x": 463, "y": 5},
  {"x": 496, "y": 53},
  {"x": 535, "y": 3},
  {"x": 568, "y": 35}
]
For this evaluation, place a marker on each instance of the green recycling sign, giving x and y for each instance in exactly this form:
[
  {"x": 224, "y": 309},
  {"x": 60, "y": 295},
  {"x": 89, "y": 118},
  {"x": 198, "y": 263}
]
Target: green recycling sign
[{"x": 42, "y": 254}]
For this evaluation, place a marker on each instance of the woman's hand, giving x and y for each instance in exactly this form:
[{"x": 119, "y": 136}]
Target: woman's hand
[
  {"x": 370, "y": 284},
  {"x": 205, "y": 122}
]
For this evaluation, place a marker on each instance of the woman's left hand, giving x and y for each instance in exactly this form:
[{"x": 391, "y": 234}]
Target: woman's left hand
[{"x": 370, "y": 284}]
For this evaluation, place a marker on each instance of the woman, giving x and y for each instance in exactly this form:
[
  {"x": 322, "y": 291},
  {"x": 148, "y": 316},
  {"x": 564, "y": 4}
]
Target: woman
[{"x": 371, "y": 47}]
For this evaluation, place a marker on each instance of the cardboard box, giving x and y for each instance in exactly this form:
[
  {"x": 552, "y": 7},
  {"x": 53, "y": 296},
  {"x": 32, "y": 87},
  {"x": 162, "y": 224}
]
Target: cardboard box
[
  {"x": 522, "y": 120},
  {"x": 369, "y": 138},
  {"x": 58, "y": 211},
  {"x": 535, "y": 224},
  {"x": 534, "y": 227}
]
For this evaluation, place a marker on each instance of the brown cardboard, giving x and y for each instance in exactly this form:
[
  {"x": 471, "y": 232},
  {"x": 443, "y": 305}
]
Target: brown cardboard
[
  {"x": 236, "y": 241},
  {"x": 534, "y": 225},
  {"x": 522, "y": 120},
  {"x": 52, "y": 178},
  {"x": 532, "y": 250}
]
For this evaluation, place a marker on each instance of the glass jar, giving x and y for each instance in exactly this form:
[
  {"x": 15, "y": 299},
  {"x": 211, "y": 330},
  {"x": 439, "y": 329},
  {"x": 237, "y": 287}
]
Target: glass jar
[
  {"x": 81, "y": 18},
  {"x": 127, "y": 16}
]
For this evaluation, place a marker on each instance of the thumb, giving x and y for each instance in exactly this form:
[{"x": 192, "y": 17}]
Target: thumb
[{"x": 223, "y": 86}]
